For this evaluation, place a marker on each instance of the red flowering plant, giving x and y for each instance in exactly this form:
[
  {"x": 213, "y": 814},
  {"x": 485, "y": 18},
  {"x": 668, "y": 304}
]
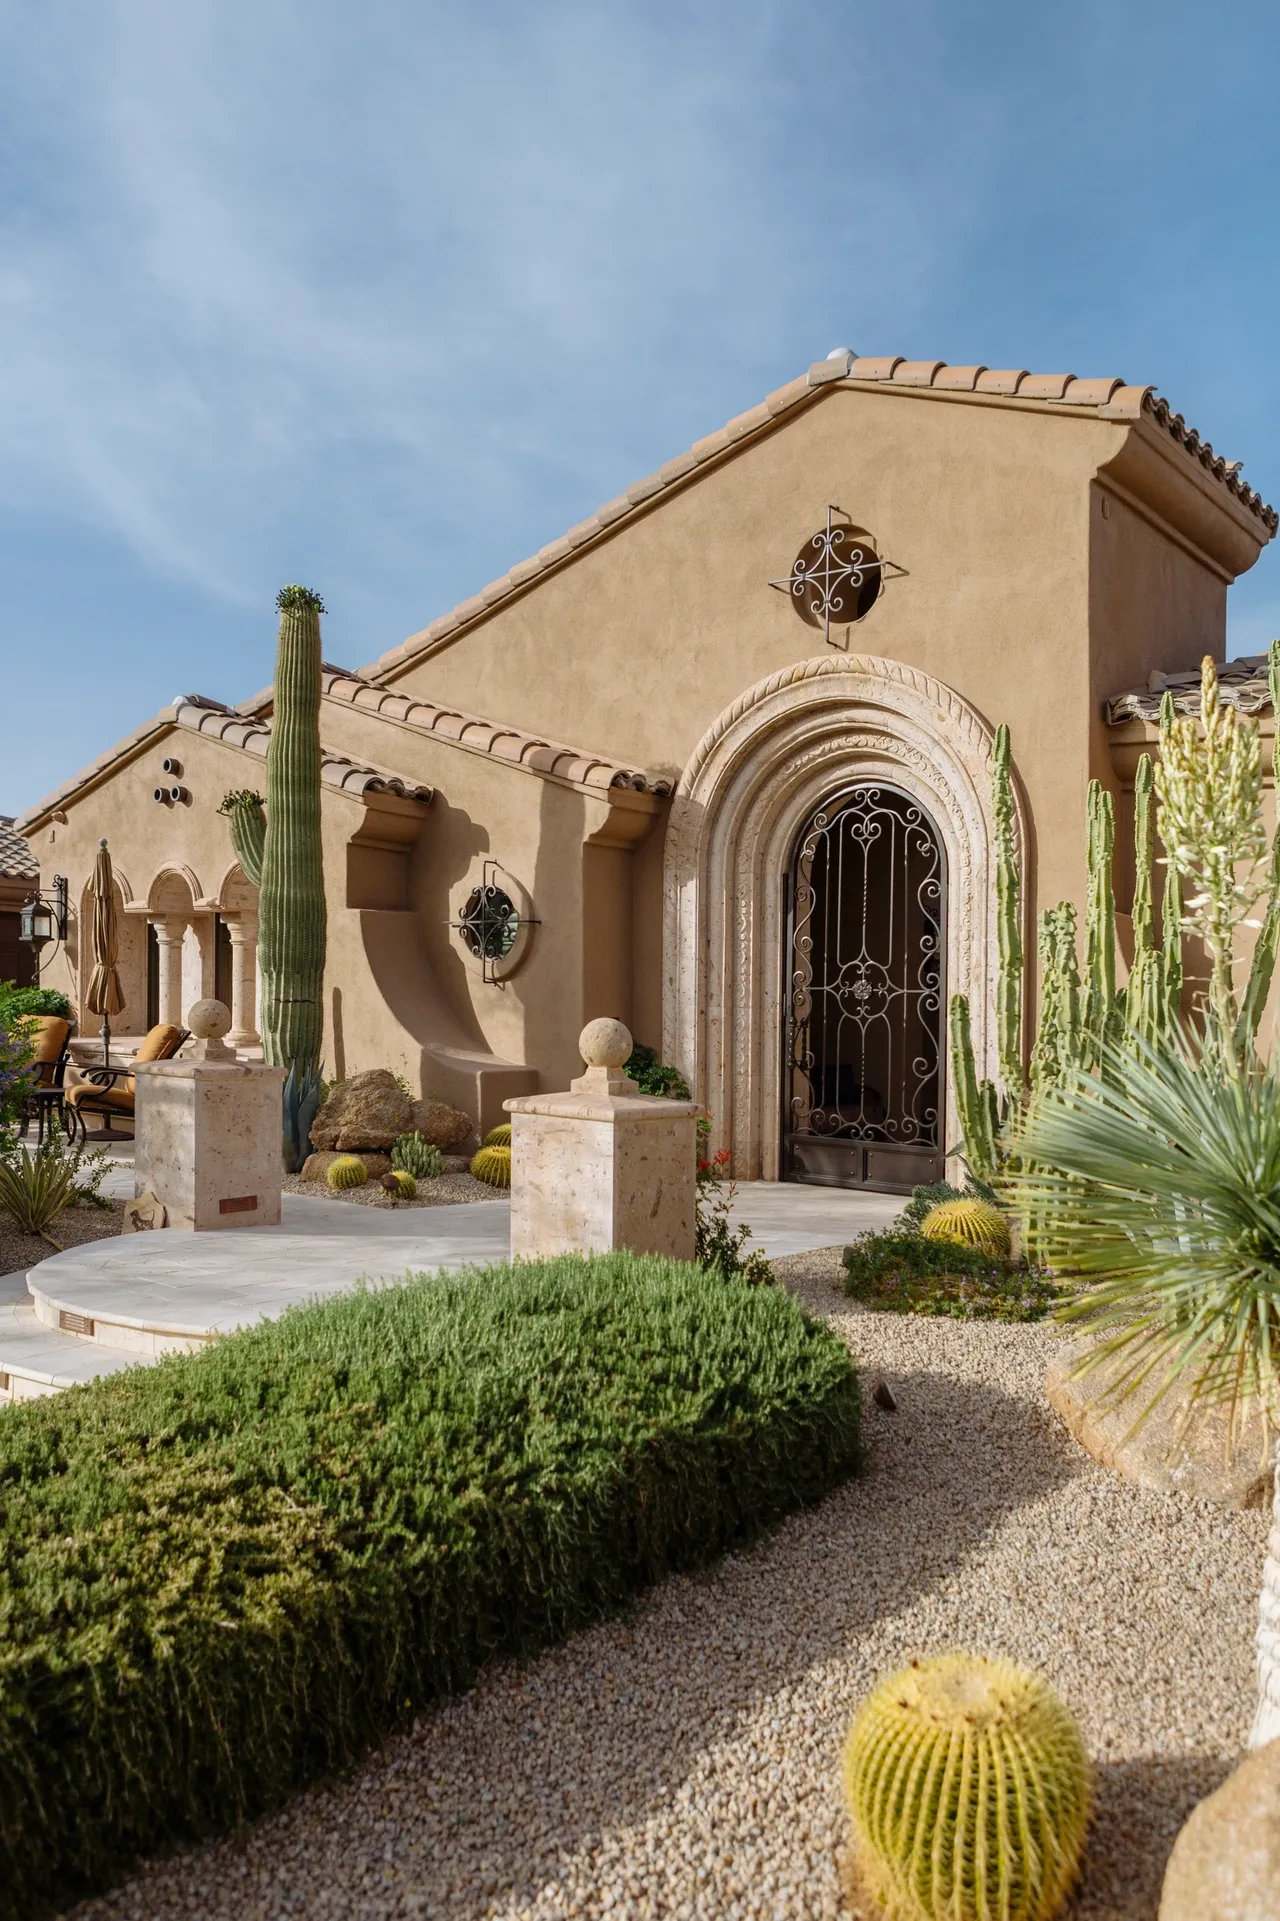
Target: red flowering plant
[{"x": 719, "y": 1245}]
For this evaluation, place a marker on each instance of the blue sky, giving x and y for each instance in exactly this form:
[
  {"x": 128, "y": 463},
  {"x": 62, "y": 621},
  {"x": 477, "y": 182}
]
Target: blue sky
[{"x": 383, "y": 297}]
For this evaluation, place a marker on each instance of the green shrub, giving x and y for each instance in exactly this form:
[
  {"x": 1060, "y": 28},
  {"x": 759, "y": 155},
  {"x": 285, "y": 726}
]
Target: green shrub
[
  {"x": 412, "y": 1155},
  {"x": 16, "y": 1001},
  {"x": 643, "y": 1065},
  {"x": 228, "y": 1572},
  {"x": 902, "y": 1273}
]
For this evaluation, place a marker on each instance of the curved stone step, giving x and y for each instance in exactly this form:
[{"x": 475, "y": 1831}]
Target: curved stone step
[{"x": 36, "y": 1360}]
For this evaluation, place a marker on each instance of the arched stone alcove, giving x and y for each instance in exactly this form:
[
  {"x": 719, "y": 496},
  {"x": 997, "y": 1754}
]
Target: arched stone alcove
[{"x": 755, "y": 777}]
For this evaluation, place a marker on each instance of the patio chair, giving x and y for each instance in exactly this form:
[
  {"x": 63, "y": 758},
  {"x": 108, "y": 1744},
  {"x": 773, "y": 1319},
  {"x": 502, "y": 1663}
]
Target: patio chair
[
  {"x": 110, "y": 1091},
  {"x": 46, "y": 1073}
]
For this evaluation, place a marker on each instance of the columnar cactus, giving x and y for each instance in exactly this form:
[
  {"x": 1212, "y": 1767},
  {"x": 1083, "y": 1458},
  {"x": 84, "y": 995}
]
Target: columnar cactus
[
  {"x": 1100, "y": 923},
  {"x": 248, "y": 823},
  {"x": 1144, "y": 996},
  {"x": 975, "y": 1100},
  {"x": 1264, "y": 954},
  {"x": 1059, "y": 1038},
  {"x": 969, "y": 1789},
  {"x": 1008, "y": 924},
  {"x": 1210, "y": 787},
  {"x": 291, "y": 907}
]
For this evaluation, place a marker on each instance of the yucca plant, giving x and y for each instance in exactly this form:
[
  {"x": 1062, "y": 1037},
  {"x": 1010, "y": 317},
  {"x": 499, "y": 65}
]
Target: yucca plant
[
  {"x": 34, "y": 1189},
  {"x": 1157, "y": 1180}
]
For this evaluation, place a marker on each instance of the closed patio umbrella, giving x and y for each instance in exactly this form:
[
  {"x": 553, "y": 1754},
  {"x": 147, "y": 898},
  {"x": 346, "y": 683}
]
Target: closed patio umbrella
[{"x": 104, "y": 995}]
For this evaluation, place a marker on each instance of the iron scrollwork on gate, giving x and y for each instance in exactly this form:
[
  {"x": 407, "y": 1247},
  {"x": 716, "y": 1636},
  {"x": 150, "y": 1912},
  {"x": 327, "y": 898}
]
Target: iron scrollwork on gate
[{"x": 864, "y": 1000}]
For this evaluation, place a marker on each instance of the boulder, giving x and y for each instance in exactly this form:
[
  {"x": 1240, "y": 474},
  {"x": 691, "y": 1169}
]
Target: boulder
[
  {"x": 439, "y": 1124},
  {"x": 316, "y": 1166},
  {"x": 368, "y": 1111},
  {"x": 1225, "y": 1864},
  {"x": 1172, "y": 1458}
]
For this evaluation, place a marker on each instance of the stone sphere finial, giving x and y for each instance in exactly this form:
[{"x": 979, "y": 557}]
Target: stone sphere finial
[
  {"x": 209, "y": 1020},
  {"x": 605, "y": 1043}
]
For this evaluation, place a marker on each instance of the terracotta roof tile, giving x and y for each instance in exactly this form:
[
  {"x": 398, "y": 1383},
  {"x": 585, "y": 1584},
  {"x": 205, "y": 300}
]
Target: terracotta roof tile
[
  {"x": 491, "y": 737},
  {"x": 1243, "y": 683},
  {"x": 1108, "y": 398},
  {"x": 17, "y": 862},
  {"x": 1000, "y": 380}
]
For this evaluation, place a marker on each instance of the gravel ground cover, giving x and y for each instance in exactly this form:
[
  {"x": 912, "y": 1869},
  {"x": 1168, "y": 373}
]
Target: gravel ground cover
[
  {"x": 454, "y": 1185},
  {"x": 683, "y": 1762},
  {"x": 73, "y": 1226}
]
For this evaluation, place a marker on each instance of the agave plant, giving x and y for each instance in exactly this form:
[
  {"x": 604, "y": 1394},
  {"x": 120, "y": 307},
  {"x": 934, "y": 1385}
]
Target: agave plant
[{"x": 34, "y": 1189}]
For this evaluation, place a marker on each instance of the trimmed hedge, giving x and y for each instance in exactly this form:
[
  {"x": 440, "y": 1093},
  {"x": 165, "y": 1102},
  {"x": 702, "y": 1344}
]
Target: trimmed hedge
[{"x": 231, "y": 1571}]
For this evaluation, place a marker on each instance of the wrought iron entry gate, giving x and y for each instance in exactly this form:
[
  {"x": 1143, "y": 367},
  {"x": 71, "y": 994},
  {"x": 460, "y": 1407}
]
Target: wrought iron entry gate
[{"x": 863, "y": 1055}]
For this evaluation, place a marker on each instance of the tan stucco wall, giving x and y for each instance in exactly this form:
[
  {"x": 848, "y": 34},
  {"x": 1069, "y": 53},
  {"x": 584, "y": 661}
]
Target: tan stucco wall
[
  {"x": 1020, "y": 593},
  {"x": 637, "y": 644}
]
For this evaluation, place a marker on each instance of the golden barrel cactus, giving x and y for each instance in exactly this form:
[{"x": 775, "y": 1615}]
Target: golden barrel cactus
[
  {"x": 970, "y": 1791},
  {"x": 498, "y": 1136},
  {"x": 493, "y": 1165},
  {"x": 969, "y": 1223},
  {"x": 347, "y": 1171},
  {"x": 400, "y": 1185}
]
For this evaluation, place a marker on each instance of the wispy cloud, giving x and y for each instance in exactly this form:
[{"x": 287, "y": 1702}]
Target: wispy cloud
[{"x": 286, "y": 244}]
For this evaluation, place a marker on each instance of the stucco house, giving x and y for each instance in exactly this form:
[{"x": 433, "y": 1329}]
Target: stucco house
[{"x": 716, "y": 762}]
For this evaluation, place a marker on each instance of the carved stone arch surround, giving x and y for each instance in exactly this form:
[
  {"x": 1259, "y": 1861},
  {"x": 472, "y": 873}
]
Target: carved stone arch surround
[{"x": 770, "y": 759}]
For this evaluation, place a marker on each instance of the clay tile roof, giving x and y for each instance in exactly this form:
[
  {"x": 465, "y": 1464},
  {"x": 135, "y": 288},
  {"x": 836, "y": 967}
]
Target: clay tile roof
[
  {"x": 1243, "y": 684},
  {"x": 499, "y": 741},
  {"x": 254, "y": 737},
  {"x": 1107, "y": 398},
  {"x": 17, "y": 862}
]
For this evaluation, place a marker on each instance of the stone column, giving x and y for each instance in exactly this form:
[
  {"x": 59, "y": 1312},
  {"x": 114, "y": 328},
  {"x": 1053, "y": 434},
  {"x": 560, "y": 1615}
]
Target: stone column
[
  {"x": 603, "y": 1166},
  {"x": 243, "y": 929},
  {"x": 170, "y": 933}
]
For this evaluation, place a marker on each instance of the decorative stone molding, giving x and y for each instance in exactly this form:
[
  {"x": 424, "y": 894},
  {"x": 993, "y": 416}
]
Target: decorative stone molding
[{"x": 765, "y": 764}]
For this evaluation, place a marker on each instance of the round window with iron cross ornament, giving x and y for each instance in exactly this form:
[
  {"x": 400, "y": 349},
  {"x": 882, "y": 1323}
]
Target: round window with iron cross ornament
[{"x": 837, "y": 576}]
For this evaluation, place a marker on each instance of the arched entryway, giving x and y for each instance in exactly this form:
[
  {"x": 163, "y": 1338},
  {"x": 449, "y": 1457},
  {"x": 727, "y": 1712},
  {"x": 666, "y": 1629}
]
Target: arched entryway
[
  {"x": 786, "y": 748},
  {"x": 863, "y": 1052}
]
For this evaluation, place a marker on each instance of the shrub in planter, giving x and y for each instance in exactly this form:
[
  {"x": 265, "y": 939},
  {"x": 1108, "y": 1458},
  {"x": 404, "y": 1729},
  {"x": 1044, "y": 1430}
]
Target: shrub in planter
[
  {"x": 903, "y": 1273},
  {"x": 229, "y": 1572}
]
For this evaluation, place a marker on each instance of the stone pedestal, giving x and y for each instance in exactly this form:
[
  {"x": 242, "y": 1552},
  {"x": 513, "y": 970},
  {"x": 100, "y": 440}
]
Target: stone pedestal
[
  {"x": 602, "y": 1166},
  {"x": 208, "y": 1141}
]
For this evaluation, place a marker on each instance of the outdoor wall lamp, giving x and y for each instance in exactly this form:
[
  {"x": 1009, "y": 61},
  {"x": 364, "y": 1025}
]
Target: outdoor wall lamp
[{"x": 42, "y": 921}]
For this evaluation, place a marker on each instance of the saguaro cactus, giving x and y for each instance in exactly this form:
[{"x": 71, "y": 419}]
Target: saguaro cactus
[
  {"x": 248, "y": 824},
  {"x": 291, "y": 907}
]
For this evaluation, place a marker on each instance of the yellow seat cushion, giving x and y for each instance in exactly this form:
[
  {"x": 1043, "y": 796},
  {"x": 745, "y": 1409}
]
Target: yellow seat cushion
[
  {"x": 88, "y": 1094},
  {"x": 49, "y": 1036},
  {"x": 160, "y": 1043}
]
